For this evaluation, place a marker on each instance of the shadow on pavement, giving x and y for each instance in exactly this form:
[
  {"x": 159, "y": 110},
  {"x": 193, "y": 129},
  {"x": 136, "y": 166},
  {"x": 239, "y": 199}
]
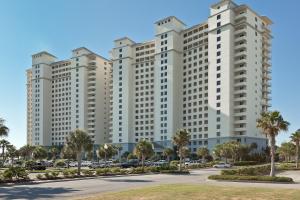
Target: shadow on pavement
[{"x": 32, "y": 193}]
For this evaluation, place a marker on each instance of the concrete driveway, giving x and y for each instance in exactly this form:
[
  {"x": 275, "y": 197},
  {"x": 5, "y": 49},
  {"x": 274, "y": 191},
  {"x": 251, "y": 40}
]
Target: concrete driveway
[{"x": 87, "y": 187}]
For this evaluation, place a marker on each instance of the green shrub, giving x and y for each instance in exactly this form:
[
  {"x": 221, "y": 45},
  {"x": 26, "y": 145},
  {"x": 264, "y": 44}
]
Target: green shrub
[
  {"x": 115, "y": 170},
  {"x": 39, "y": 176},
  {"x": 248, "y": 171},
  {"x": 174, "y": 172},
  {"x": 69, "y": 173},
  {"x": 54, "y": 174},
  {"x": 48, "y": 175},
  {"x": 15, "y": 172},
  {"x": 60, "y": 163},
  {"x": 8, "y": 174},
  {"x": 138, "y": 170},
  {"x": 174, "y": 163},
  {"x": 103, "y": 171},
  {"x": 29, "y": 164},
  {"x": 251, "y": 178},
  {"x": 245, "y": 163},
  {"x": 88, "y": 172}
]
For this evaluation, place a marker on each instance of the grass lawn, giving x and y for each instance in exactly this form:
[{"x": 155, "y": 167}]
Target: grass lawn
[{"x": 201, "y": 192}]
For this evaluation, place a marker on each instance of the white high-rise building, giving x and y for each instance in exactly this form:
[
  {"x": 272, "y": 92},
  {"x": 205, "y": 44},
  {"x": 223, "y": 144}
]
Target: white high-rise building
[
  {"x": 66, "y": 95},
  {"x": 212, "y": 79}
]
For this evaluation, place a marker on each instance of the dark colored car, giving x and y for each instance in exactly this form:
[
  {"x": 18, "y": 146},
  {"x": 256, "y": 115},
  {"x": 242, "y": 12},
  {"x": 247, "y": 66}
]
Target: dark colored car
[
  {"x": 36, "y": 166},
  {"x": 130, "y": 163}
]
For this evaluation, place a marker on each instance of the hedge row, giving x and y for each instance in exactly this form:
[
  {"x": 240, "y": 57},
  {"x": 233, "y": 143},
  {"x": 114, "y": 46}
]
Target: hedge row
[
  {"x": 248, "y": 171},
  {"x": 245, "y": 163},
  {"x": 251, "y": 178},
  {"x": 13, "y": 174},
  {"x": 71, "y": 173}
]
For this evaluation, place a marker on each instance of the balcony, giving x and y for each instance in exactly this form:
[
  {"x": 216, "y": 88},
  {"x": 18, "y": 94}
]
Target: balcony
[{"x": 241, "y": 38}]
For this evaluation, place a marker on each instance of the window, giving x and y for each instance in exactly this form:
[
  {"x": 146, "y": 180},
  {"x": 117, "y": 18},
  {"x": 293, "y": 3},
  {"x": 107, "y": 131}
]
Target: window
[
  {"x": 218, "y": 24},
  {"x": 218, "y": 46},
  {"x": 218, "y": 39},
  {"x": 218, "y": 31},
  {"x": 218, "y": 17},
  {"x": 218, "y": 53}
]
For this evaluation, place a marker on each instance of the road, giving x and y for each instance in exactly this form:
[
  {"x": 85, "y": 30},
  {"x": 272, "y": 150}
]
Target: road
[{"x": 62, "y": 189}]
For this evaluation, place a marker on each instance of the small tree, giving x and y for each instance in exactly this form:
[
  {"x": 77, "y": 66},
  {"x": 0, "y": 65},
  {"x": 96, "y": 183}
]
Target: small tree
[
  {"x": 271, "y": 123},
  {"x": 40, "y": 153},
  {"x": 131, "y": 156},
  {"x": 4, "y": 144},
  {"x": 79, "y": 142},
  {"x": 296, "y": 139},
  {"x": 108, "y": 152},
  {"x": 26, "y": 151},
  {"x": 11, "y": 153},
  {"x": 68, "y": 154},
  {"x": 53, "y": 151},
  {"x": 168, "y": 152},
  {"x": 286, "y": 150},
  {"x": 203, "y": 152},
  {"x": 3, "y": 129},
  {"x": 143, "y": 149},
  {"x": 181, "y": 140}
]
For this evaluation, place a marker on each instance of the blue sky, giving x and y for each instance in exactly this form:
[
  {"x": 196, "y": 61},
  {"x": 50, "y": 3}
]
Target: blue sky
[{"x": 57, "y": 26}]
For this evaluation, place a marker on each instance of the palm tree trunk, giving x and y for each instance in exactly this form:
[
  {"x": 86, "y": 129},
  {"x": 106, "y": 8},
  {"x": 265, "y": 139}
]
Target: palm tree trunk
[
  {"x": 180, "y": 161},
  {"x": 297, "y": 154},
  {"x": 79, "y": 163},
  {"x": 272, "y": 151},
  {"x": 3, "y": 157},
  {"x": 143, "y": 158}
]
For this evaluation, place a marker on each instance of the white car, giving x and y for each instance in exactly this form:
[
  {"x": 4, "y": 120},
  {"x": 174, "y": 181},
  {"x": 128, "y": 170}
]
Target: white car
[{"x": 222, "y": 165}]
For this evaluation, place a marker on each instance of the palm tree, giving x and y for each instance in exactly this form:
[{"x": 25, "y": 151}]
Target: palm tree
[
  {"x": 79, "y": 142},
  {"x": 53, "y": 152},
  {"x": 143, "y": 149},
  {"x": 181, "y": 140},
  {"x": 3, "y": 129},
  {"x": 11, "y": 153},
  {"x": 40, "y": 153},
  {"x": 168, "y": 152},
  {"x": 203, "y": 152},
  {"x": 4, "y": 144},
  {"x": 296, "y": 139},
  {"x": 106, "y": 151},
  {"x": 26, "y": 151},
  {"x": 286, "y": 150},
  {"x": 68, "y": 154},
  {"x": 271, "y": 123}
]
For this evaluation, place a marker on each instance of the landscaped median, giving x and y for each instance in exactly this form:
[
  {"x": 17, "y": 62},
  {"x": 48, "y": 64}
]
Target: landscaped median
[
  {"x": 250, "y": 174},
  {"x": 251, "y": 178}
]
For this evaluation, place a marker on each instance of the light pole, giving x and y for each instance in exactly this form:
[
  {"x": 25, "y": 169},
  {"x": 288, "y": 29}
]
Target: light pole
[{"x": 105, "y": 148}]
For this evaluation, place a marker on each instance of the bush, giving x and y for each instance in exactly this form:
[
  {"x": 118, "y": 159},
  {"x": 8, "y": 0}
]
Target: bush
[
  {"x": 48, "y": 175},
  {"x": 88, "y": 172},
  {"x": 60, "y": 163},
  {"x": 39, "y": 176},
  {"x": 8, "y": 175},
  {"x": 54, "y": 174},
  {"x": 245, "y": 163},
  {"x": 287, "y": 166},
  {"x": 69, "y": 173},
  {"x": 115, "y": 170},
  {"x": 248, "y": 171},
  {"x": 174, "y": 163},
  {"x": 138, "y": 170},
  {"x": 251, "y": 178},
  {"x": 103, "y": 171},
  {"x": 15, "y": 172},
  {"x": 174, "y": 172}
]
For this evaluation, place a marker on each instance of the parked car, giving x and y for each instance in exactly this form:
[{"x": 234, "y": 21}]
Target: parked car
[
  {"x": 222, "y": 165},
  {"x": 130, "y": 163},
  {"x": 35, "y": 166},
  {"x": 73, "y": 164}
]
